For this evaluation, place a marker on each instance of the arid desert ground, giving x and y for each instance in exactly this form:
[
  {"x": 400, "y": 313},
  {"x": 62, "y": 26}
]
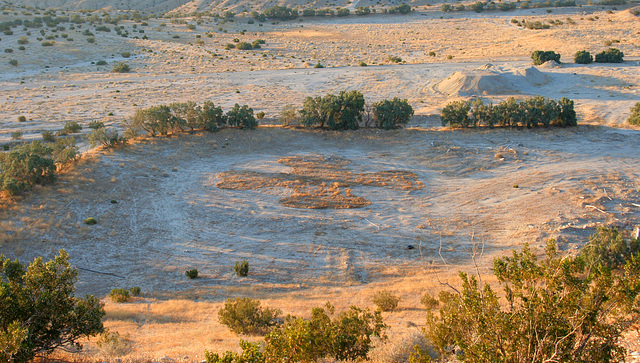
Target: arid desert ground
[{"x": 177, "y": 201}]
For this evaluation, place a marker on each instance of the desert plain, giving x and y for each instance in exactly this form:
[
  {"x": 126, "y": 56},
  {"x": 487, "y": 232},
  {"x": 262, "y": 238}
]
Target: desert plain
[{"x": 168, "y": 204}]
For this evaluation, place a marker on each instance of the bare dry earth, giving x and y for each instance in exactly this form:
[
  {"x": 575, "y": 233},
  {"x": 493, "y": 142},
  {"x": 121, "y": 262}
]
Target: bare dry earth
[
  {"x": 53, "y": 85},
  {"x": 170, "y": 216}
]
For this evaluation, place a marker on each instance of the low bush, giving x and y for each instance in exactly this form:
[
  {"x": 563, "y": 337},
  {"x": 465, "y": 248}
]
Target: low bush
[
  {"x": 72, "y": 127},
  {"x": 583, "y": 57},
  {"x": 385, "y": 300},
  {"x": 125, "y": 54},
  {"x": 48, "y": 43},
  {"x": 106, "y": 138},
  {"x": 390, "y": 114},
  {"x": 192, "y": 274},
  {"x": 25, "y": 166},
  {"x": 245, "y": 316},
  {"x": 113, "y": 344},
  {"x": 251, "y": 353},
  {"x": 634, "y": 118},
  {"x": 94, "y": 125},
  {"x": 242, "y": 116},
  {"x": 560, "y": 308},
  {"x": 611, "y": 55},
  {"x": 13, "y": 62},
  {"x": 539, "y": 57},
  {"x": 22, "y": 118},
  {"x": 48, "y": 136},
  {"x": 90, "y": 221},
  {"x": 64, "y": 151},
  {"x": 101, "y": 63},
  {"x": 135, "y": 291},
  {"x": 119, "y": 295},
  {"x": 345, "y": 336},
  {"x": 121, "y": 67},
  {"x": 241, "y": 268}
]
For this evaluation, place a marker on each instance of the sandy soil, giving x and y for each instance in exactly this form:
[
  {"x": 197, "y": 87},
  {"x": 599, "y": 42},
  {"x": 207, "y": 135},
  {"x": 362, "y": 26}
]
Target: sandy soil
[{"x": 162, "y": 205}]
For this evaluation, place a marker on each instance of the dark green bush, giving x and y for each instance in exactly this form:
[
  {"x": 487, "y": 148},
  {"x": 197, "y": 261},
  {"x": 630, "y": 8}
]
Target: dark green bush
[
  {"x": 48, "y": 136},
  {"x": 48, "y": 43},
  {"x": 634, "y": 118},
  {"x": 607, "y": 248},
  {"x": 13, "y": 62},
  {"x": 106, "y": 138},
  {"x": 583, "y": 57},
  {"x": 478, "y": 7},
  {"x": 385, "y": 300},
  {"x": 26, "y": 166},
  {"x": 250, "y": 354},
  {"x": 90, "y": 221},
  {"x": 244, "y": 46},
  {"x": 72, "y": 127},
  {"x": 557, "y": 309},
  {"x": 341, "y": 112},
  {"x": 401, "y": 9},
  {"x": 241, "y": 268},
  {"x": 242, "y": 116},
  {"x": 390, "y": 114},
  {"x": 64, "y": 151},
  {"x": 22, "y": 118},
  {"x": 539, "y": 57},
  {"x": 346, "y": 336},
  {"x": 94, "y": 125},
  {"x": 119, "y": 295},
  {"x": 456, "y": 114},
  {"x": 611, "y": 55},
  {"x": 135, "y": 291},
  {"x": 281, "y": 13},
  {"x": 121, "y": 67},
  {"x": 192, "y": 274},
  {"x": 245, "y": 316},
  {"x": 125, "y": 54},
  {"x": 39, "y": 310},
  {"x": 101, "y": 63}
]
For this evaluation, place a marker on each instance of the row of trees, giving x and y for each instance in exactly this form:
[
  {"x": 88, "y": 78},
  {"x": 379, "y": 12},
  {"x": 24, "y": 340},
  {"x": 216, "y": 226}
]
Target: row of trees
[
  {"x": 531, "y": 112},
  {"x": 179, "y": 116},
  {"x": 480, "y": 6},
  {"x": 611, "y": 55},
  {"x": 278, "y": 12}
]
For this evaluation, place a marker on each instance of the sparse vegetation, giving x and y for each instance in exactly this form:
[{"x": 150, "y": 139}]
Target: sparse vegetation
[
  {"x": 634, "y": 118},
  {"x": 192, "y": 273},
  {"x": 119, "y": 295},
  {"x": 245, "y": 316},
  {"x": 385, "y": 300},
  {"x": 241, "y": 268}
]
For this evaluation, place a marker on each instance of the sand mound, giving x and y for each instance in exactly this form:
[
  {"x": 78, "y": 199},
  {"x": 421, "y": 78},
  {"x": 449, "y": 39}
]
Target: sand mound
[
  {"x": 533, "y": 76},
  {"x": 485, "y": 80},
  {"x": 550, "y": 64}
]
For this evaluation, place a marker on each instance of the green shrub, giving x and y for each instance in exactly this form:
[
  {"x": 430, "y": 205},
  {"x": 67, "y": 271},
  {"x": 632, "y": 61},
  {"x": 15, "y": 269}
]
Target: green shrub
[
  {"x": 48, "y": 43},
  {"x": 608, "y": 249},
  {"x": 385, "y": 300},
  {"x": 125, "y": 54},
  {"x": 26, "y": 166},
  {"x": 428, "y": 301},
  {"x": 113, "y": 344},
  {"x": 101, "y": 63},
  {"x": 48, "y": 136},
  {"x": 288, "y": 116},
  {"x": 478, "y": 7},
  {"x": 39, "y": 310},
  {"x": 64, "y": 151},
  {"x": 390, "y": 114},
  {"x": 260, "y": 115},
  {"x": 121, "y": 67},
  {"x": 245, "y": 316},
  {"x": 445, "y": 8},
  {"x": 281, "y": 13},
  {"x": 611, "y": 55},
  {"x": 539, "y": 57},
  {"x": 211, "y": 117},
  {"x": 72, "y": 127},
  {"x": 106, "y": 138},
  {"x": 395, "y": 59},
  {"x": 94, "y": 125},
  {"x": 346, "y": 336},
  {"x": 90, "y": 221},
  {"x": 401, "y": 9},
  {"x": 135, "y": 291},
  {"x": 22, "y": 118},
  {"x": 456, "y": 114},
  {"x": 318, "y": 65},
  {"x": 119, "y": 295},
  {"x": 634, "y": 118},
  {"x": 13, "y": 62},
  {"x": 362, "y": 64},
  {"x": 558, "y": 308},
  {"x": 583, "y": 57},
  {"x": 16, "y": 135},
  {"x": 244, "y": 46},
  {"x": 242, "y": 116},
  {"x": 192, "y": 274},
  {"x": 341, "y": 112},
  {"x": 229, "y": 46},
  {"x": 23, "y": 40},
  {"x": 250, "y": 354},
  {"x": 241, "y": 268}
]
